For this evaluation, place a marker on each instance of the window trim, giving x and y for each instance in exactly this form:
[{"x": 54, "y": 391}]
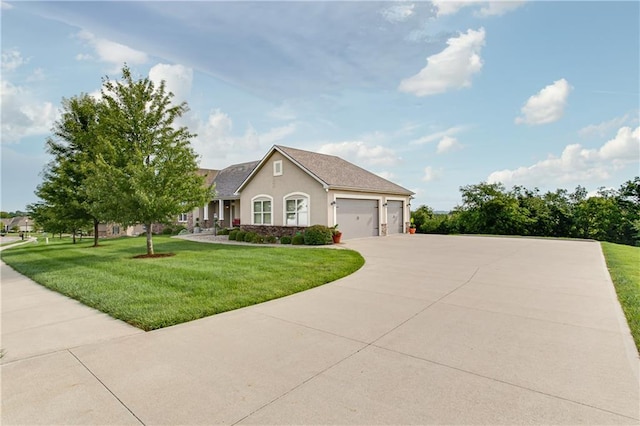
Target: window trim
[
  {"x": 186, "y": 217},
  {"x": 277, "y": 168},
  {"x": 296, "y": 196},
  {"x": 261, "y": 197}
]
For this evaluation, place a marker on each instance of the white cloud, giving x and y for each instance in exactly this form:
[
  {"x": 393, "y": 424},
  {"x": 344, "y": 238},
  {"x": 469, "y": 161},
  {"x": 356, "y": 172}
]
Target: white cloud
[
  {"x": 398, "y": 12},
  {"x": 448, "y": 144},
  {"x": 386, "y": 175},
  {"x": 577, "y": 164},
  {"x": 178, "y": 79},
  {"x": 283, "y": 112},
  {"x": 36, "y": 75},
  {"x": 360, "y": 152},
  {"x": 437, "y": 135},
  {"x": 450, "y": 69},
  {"x": 12, "y": 59},
  {"x": 6, "y": 6},
  {"x": 22, "y": 115},
  {"x": 430, "y": 174},
  {"x": 547, "y": 105},
  {"x": 110, "y": 51},
  {"x": 499, "y": 8},
  {"x": 488, "y": 8},
  {"x": 601, "y": 129},
  {"x": 276, "y": 134}
]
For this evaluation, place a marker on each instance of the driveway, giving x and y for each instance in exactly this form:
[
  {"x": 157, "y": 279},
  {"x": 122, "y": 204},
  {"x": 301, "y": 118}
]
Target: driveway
[{"x": 432, "y": 330}]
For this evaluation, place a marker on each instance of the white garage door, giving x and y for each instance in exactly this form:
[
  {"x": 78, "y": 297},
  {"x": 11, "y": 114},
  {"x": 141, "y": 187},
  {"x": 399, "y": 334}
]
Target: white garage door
[
  {"x": 395, "y": 223},
  {"x": 357, "y": 218}
]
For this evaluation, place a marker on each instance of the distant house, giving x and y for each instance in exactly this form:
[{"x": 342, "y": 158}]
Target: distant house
[{"x": 21, "y": 223}]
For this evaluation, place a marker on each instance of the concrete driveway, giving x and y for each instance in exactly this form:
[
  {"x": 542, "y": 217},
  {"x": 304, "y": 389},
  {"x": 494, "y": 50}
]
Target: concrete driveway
[{"x": 432, "y": 330}]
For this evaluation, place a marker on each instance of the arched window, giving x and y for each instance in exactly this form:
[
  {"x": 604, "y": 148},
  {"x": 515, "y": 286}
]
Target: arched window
[
  {"x": 261, "y": 210},
  {"x": 296, "y": 209}
]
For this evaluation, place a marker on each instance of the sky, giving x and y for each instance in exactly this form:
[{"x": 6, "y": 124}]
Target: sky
[{"x": 430, "y": 95}]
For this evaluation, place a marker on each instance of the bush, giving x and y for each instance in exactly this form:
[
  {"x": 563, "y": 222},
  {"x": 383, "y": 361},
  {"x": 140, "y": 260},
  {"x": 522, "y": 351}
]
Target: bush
[
  {"x": 240, "y": 235},
  {"x": 297, "y": 240},
  {"x": 223, "y": 231},
  {"x": 233, "y": 234},
  {"x": 249, "y": 236},
  {"x": 270, "y": 239},
  {"x": 317, "y": 235},
  {"x": 167, "y": 231},
  {"x": 285, "y": 239},
  {"x": 178, "y": 229},
  {"x": 258, "y": 239}
]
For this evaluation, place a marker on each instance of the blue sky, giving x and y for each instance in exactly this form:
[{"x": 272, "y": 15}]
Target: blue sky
[{"x": 431, "y": 95}]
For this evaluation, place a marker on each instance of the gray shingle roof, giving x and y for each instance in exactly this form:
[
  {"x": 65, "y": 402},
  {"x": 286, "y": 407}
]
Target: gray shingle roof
[
  {"x": 229, "y": 179},
  {"x": 337, "y": 173}
]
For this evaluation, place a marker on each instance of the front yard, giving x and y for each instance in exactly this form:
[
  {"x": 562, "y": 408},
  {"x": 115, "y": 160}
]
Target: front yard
[{"x": 200, "y": 280}]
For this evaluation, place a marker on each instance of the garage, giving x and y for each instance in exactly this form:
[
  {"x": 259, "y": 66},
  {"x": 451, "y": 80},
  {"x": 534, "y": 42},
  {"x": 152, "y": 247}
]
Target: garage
[
  {"x": 395, "y": 217},
  {"x": 357, "y": 218}
]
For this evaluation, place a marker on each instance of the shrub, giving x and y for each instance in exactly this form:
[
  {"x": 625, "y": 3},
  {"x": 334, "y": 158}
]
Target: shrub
[
  {"x": 233, "y": 234},
  {"x": 285, "y": 239},
  {"x": 258, "y": 239},
  {"x": 270, "y": 239},
  {"x": 178, "y": 229},
  {"x": 316, "y": 235},
  {"x": 167, "y": 231},
  {"x": 249, "y": 236},
  {"x": 223, "y": 231},
  {"x": 297, "y": 240},
  {"x": 240, "y": 235}
]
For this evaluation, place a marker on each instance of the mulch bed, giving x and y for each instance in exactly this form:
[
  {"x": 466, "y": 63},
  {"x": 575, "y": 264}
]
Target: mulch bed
[{"x": 153, "y": 256}]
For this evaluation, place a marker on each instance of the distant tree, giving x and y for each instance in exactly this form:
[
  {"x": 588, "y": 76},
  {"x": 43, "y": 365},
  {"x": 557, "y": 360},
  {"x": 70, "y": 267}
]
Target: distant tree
[
  {"x": 148, "y": 171},
  {"x": 74, "y": 147},
  {"x": 4, "y": 215},
  {"x": 489, "y": 208},
  {"x": 421, "y": 216}
]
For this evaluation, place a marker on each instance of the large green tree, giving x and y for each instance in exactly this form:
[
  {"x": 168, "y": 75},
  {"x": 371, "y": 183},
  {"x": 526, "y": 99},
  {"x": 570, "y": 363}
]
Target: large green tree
[
  {"x": 74, "y": 147},
  {"x": 147, "y": 172}
]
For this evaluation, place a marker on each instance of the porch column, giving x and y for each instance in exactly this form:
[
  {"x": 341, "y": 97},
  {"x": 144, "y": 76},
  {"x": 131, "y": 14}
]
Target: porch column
[{"x": 220, "y": 210}]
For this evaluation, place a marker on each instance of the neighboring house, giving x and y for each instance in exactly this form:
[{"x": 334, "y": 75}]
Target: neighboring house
[
  {"x": 292, "y": 188},
  {"x": 22, "y": 223},
  {"x": 116, "y": 230}
]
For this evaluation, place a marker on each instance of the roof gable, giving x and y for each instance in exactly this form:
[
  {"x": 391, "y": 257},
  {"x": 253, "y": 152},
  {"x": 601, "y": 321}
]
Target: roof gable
[
  {"x": 333, "y": 172},
  {"x": 229, "y": 179}
]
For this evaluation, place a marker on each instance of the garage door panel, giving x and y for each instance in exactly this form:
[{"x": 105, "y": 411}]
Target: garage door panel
[
  {"x": 357, "y": 218},
  {"x": 395, "y": 217}
]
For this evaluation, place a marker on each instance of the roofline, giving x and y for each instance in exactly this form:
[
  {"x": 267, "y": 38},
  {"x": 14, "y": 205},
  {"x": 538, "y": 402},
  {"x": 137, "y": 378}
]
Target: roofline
[
  {"x": 288, "y": 157},
  {"x": 406, "y": 193}
]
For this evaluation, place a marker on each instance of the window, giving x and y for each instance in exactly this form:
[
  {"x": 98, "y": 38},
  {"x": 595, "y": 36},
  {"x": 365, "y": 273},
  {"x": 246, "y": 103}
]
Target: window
[
  {"x": 182, "y": 217},
  {"x": 277, "y": 168},
  {"x": 262, "y": 211},
  {"x": 297, "y": 211},
  {"x": 115, "y": 230}
]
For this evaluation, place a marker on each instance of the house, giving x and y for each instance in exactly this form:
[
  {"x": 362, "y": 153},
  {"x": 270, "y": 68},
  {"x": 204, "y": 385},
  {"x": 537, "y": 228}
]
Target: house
[
  {"x": 18, "y": 223},
  {"x": 291, "y": 188},
  {"x": 225, "y": 206}
]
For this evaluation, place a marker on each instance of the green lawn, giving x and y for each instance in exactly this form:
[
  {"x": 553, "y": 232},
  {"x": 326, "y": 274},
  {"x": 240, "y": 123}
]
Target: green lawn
[
  {"x": 624, "y": 267},
  {"x": 200, "y": 280}
]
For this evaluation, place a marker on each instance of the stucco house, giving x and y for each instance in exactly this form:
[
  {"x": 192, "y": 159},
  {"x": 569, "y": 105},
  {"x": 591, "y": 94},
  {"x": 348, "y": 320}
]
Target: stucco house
[{"x": 294, "y": 188}]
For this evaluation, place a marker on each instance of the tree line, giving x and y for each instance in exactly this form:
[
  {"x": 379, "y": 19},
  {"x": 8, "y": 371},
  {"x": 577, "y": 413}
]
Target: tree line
[
  {"x": 489, "y": 208},
  {"x": 119, "y": 158}
]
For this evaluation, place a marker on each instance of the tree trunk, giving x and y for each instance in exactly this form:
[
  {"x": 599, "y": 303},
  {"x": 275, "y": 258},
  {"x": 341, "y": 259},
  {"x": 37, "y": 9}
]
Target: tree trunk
[
  {"x": 95, "y": 232},
  {"x": 74, "y": 236},
  {"x": 149, "y": 239}
]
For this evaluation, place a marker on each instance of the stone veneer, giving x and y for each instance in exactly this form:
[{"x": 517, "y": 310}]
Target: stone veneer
[{"x": 276, "y": 231}]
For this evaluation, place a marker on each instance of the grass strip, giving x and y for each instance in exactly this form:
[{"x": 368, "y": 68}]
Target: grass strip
[
  {"x": 200, "y": 280},
  {"x": 623, "y": 263}
]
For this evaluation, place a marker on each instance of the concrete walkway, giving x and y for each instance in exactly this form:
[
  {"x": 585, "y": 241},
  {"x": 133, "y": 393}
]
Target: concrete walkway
[{"x": 432, "y": 330}]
